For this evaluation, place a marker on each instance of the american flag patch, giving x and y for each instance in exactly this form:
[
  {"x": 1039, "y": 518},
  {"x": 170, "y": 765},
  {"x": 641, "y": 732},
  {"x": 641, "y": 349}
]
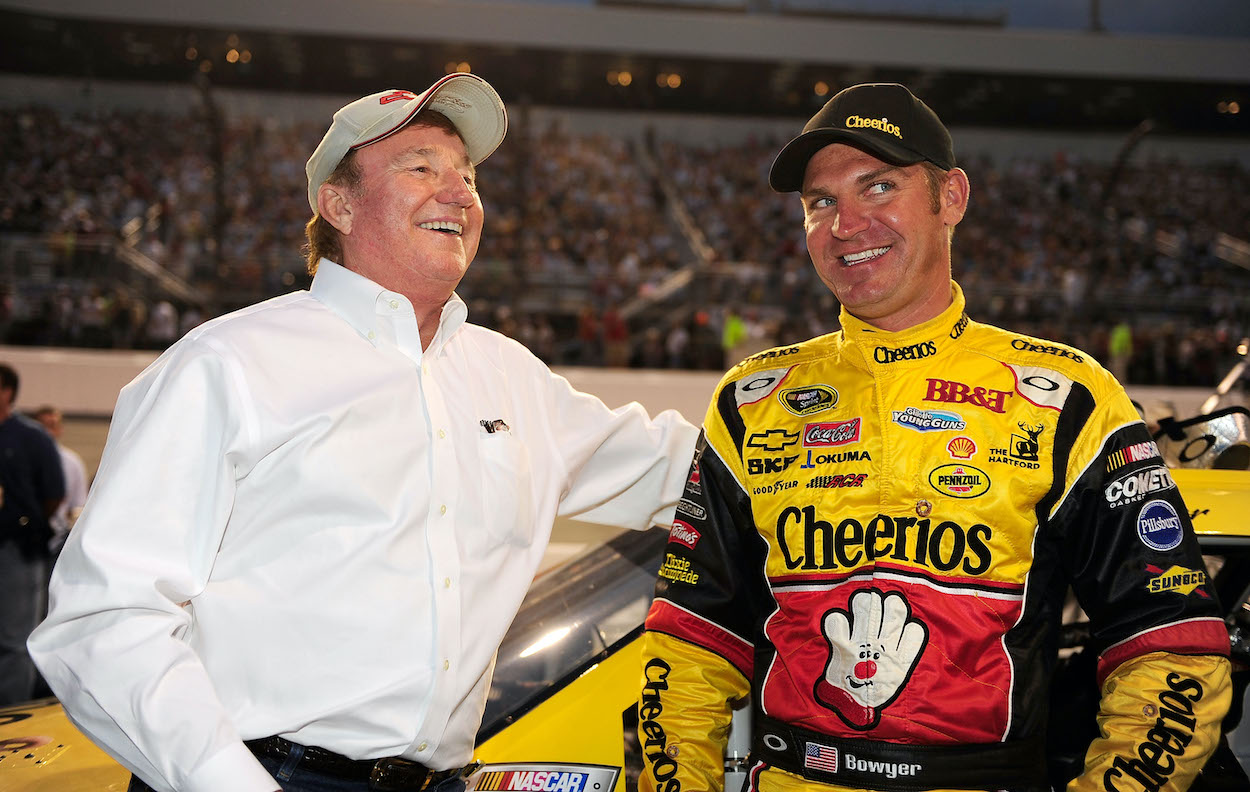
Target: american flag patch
[{"x": 821, "y": 757}]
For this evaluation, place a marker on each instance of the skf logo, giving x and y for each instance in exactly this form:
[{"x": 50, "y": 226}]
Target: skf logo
[
  {"x": 766, "y": 465},
  {"x": 960, "y": 481},
  {"x": 837, "y": 433},
  {"x": 1134, "y": 453},
  {"x": 961, "y": 448},
  {"x": 958, "y": 393},
  {"x": 808, "y": 399},
  {"x": 883, "y": 124},
  {"x": 1176, "y": 578},
  {"x": 773, "y": 439},
  {"x": 396, "y": 96},
  {"x": 913, "y": 352}
]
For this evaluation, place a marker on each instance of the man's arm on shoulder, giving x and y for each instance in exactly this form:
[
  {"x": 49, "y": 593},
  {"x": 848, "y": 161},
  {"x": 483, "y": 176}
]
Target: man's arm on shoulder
[{"x": 113, "y": 647}]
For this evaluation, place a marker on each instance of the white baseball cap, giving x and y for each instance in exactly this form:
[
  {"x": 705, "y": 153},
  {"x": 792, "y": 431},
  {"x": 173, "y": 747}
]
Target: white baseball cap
[{"x": 466, "y": 99}]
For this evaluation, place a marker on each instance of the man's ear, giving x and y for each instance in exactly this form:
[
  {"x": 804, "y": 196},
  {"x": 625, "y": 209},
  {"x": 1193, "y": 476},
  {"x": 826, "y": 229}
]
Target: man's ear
[
  {"x": 954, "y": 194},
  {"x": 334, "y": 203}
]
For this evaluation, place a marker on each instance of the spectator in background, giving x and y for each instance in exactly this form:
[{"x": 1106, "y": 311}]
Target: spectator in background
[
  {"x": 31, "y": 488},
  {"x": 75, "y": 478},
  {"x": 1120, "y": 350}
]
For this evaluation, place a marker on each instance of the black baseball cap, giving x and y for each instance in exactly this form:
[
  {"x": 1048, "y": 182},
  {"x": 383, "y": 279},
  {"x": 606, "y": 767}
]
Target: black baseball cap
[{"x": 883, "y": 119}]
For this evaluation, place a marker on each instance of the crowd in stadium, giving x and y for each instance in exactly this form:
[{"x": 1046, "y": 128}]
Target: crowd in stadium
[{"x": 578, "y": 226}]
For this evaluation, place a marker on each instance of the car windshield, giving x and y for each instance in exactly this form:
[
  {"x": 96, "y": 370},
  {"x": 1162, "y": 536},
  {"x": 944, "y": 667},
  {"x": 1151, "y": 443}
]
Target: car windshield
[{"x": 573, "y": 617}]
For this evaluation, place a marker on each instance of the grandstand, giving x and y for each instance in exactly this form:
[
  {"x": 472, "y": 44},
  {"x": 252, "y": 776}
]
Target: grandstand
[{"x": 155, "y": 162}]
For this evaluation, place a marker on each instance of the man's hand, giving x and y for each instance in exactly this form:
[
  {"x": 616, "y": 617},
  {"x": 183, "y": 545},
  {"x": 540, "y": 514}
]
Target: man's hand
[{"x": 872, "y": 652}]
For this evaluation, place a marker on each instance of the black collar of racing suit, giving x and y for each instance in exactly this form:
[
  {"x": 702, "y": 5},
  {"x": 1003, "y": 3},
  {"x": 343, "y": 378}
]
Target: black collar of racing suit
[{"x": 881, "y": 351}]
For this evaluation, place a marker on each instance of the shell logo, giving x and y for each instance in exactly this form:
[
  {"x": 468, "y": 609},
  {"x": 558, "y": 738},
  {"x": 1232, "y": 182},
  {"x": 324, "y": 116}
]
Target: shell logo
[{"x": 961, "y": 447}]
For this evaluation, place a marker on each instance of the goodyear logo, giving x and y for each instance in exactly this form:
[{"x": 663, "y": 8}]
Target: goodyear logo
[
  {"x": 1175, "y": 578},
  {"x": 960, "y": 481}
]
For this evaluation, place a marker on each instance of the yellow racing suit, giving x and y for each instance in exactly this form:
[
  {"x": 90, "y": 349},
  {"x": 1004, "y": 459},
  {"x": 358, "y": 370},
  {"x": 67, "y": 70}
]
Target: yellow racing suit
[{"x": 875, "y": 543}]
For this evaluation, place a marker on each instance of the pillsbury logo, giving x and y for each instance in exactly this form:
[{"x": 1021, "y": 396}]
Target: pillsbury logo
[
  {"x": 1158, "y": 526},
  {"x": 883, "y": 124}
]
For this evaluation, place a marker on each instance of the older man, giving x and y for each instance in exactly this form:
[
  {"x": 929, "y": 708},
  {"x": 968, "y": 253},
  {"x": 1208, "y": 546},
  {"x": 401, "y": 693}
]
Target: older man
[
  {"x": 883, "y": 521},
  {"x": 316, "y": 517}
]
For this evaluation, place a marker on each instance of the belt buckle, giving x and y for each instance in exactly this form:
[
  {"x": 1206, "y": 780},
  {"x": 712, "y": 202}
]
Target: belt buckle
[{"x": 398, "y": 775}]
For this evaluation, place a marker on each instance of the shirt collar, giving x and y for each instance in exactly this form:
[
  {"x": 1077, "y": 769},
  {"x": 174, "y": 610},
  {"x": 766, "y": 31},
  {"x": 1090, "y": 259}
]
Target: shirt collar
[
  {"x": 360, "y": 301},
  {"x": 913, "y": 346}
]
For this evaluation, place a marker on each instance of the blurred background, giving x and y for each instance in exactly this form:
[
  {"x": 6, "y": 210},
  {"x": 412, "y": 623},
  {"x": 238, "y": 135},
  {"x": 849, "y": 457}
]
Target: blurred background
[{"x": 152, "y": 157}]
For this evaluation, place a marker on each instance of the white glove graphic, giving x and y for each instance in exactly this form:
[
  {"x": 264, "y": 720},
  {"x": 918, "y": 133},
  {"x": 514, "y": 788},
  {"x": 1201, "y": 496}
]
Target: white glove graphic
[{"x": 872, "y": 652}]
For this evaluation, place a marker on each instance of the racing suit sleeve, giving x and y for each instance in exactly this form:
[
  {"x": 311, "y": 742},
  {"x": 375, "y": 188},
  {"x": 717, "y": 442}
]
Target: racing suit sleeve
[
  {"x": 697, "y": 651},
  {"x": 1133, "y": 559}
]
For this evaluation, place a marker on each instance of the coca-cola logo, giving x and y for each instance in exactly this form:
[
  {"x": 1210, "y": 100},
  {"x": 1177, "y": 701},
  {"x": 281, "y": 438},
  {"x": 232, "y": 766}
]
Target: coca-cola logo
[
  {"x": 835, "y": 433},
  {"x": 684, "y": 533}
]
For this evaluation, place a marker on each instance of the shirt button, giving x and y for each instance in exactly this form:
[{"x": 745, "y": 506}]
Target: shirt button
[
  {"x": 425, "y": 368},
  {"x": 441, "y": 434},
  {"x": 446, "y": 582},
  {"x": 394, "y": 304},
  {"x": 442, "y": 509},
  {"x": 422, "y": 746},
  {"x": 372, "y": 335},
  {"x": 446, "y": 664}
]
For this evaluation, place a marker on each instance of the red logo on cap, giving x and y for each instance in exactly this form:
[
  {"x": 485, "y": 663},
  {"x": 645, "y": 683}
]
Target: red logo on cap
[{"x": 396, "y": 96}]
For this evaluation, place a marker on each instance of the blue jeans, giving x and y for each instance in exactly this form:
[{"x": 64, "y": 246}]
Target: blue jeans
[
  {"x": 23, "y": 594},
  {"x": 294, "y": 779}
]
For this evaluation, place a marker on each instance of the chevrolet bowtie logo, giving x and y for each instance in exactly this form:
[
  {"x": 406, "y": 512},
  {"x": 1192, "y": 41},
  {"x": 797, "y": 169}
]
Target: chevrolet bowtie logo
[{"x": 773, "y": 439}]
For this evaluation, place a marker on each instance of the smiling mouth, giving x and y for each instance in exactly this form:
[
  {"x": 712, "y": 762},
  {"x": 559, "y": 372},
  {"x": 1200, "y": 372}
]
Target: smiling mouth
[
  {"x": 855, "y": 684},
  {"x": 443, "y": 227},
  {"x": 851, "y": 259}
]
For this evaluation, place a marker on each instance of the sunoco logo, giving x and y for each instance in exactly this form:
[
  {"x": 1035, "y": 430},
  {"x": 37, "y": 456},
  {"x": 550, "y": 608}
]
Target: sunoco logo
[
  {"x": 1176, "y": 578},
  {"x": 960, "y": 481},
  {"x": 808, "y": 399},
  {"x": 1158, "y": 526}
]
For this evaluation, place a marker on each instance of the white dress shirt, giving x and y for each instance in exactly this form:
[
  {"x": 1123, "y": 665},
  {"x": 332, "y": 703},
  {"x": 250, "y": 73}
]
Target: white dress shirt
[{"x": 300, "y": 527}]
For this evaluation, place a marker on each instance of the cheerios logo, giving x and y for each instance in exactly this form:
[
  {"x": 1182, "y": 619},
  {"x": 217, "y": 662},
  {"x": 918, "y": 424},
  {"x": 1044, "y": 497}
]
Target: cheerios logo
[{"x": 859, "y": 122}]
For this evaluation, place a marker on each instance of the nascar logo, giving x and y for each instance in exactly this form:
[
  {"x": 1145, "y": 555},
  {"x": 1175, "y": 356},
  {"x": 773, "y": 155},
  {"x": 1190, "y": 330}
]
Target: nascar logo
[{"x": 544, "y": 778}]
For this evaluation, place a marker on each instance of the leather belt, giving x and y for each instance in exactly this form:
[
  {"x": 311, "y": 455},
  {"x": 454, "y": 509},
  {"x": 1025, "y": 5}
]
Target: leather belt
[
  {"x": 897, "y": 767},
  {"x": 389, "y": 774}
]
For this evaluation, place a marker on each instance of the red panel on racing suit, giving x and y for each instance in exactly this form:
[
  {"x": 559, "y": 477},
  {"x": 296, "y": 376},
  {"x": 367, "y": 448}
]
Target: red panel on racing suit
[{"x": 876, "y": 539}]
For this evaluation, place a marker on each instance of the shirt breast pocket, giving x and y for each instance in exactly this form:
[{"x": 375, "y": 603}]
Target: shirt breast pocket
[{"x": 507, "y": 491}]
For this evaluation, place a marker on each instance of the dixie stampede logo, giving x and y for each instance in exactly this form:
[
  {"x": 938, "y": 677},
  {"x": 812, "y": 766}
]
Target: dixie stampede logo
[
  {"x": 1164, "y": 743},
  {"x": 944, "y": 546},
  {"x": 941, "y": 390}
]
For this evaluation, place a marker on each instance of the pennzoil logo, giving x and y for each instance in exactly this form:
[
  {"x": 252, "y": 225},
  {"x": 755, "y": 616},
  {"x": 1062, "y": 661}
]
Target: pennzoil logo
[
  {"x": 883, "y": 124},
  {"x": 809, "y": 399},
  {"x": 1134, "y": 453},
  {"x": 1182, "y": 580},
  {"x": 960, "y": 481}
]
